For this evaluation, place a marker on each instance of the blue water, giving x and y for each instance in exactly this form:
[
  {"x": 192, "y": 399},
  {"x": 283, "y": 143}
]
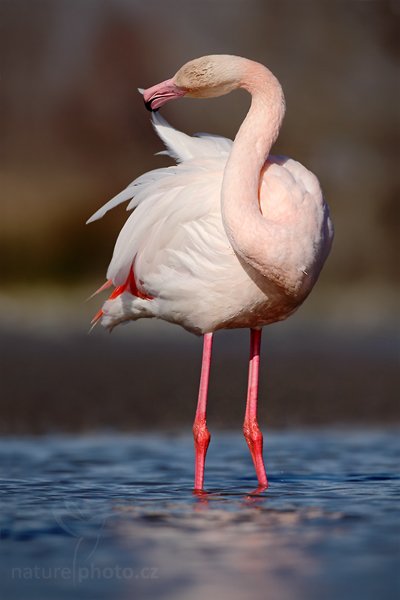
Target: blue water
[{"x": 114, "y": 517}]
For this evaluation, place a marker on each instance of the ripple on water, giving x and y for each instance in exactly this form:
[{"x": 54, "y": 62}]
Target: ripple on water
[{"x": 118, "y": 514}]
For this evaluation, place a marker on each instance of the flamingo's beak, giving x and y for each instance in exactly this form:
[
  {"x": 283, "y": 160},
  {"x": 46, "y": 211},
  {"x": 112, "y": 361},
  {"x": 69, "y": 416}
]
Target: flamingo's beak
[{"x": 154, "y": 97}]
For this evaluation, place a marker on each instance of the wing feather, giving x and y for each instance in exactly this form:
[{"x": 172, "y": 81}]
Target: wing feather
[{"x": 184, "y": 149}]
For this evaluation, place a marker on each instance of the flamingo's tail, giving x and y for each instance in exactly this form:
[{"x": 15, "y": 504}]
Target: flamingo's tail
[{"x": 130, "y": 286}]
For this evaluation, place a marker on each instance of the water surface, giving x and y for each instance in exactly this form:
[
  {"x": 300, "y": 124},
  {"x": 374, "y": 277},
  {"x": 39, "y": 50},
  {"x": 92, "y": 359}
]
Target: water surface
[{"x": 114, "y": 517}]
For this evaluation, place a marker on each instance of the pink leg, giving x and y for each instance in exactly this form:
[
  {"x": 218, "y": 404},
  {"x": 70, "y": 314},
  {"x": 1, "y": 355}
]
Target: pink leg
[
  {"x": 200, "y": 432},
  {"x": 251, "y": 430}
]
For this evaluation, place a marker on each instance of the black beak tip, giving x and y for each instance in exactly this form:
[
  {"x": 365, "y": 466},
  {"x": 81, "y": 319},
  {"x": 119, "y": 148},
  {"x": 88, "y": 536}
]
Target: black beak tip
[{"x": 148, "y": 106}]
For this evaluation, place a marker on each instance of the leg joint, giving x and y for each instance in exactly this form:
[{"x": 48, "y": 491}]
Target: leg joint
[
  {"x": 252, "y": 432},
  {"x": 201, "y": 434}
]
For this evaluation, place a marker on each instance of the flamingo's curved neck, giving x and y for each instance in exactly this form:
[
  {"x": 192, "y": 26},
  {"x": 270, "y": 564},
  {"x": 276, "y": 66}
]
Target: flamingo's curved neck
[{"x": 248, "y": 231}]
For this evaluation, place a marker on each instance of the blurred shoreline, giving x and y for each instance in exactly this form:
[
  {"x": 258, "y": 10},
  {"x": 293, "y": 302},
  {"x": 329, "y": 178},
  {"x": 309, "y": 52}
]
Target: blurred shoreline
[
  {"x": 51, "y": 308},
  {"x": 317, "y": 370}
]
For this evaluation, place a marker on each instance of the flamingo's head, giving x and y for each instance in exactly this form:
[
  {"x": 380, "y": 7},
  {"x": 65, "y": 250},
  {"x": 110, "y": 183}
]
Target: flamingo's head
[{"x": 205, "y": 77}]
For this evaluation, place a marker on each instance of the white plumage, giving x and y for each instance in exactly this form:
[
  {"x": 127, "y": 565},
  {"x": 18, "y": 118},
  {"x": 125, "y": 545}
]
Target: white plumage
[{"x": 177, "y": 240}]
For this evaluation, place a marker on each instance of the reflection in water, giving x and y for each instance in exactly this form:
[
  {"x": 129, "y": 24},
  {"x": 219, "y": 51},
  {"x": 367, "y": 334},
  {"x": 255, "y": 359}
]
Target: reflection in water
[{"x": 116, "y": 517}]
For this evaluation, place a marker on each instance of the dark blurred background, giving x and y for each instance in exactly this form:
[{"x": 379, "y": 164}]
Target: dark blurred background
[{"x": 74, "y": 132}]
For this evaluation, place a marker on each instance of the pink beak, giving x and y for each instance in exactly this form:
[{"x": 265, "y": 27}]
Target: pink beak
[{"x": 154, "y": 97}]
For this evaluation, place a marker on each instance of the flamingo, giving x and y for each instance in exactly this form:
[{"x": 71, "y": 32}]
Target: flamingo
[{"x": 231, "y": 236}]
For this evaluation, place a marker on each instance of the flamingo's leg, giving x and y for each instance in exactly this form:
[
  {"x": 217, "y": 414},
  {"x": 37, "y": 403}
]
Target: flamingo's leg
[
  {"x": 200, "y": 432},
  {"x": 251, "y": 430}
]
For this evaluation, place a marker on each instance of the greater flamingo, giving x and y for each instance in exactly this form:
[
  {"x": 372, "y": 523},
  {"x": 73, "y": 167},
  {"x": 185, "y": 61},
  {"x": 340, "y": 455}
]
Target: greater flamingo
[{"x": 229, "y": 237}]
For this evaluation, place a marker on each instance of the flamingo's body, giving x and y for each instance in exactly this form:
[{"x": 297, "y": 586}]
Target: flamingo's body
[{"x": 229, "y": 237}]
